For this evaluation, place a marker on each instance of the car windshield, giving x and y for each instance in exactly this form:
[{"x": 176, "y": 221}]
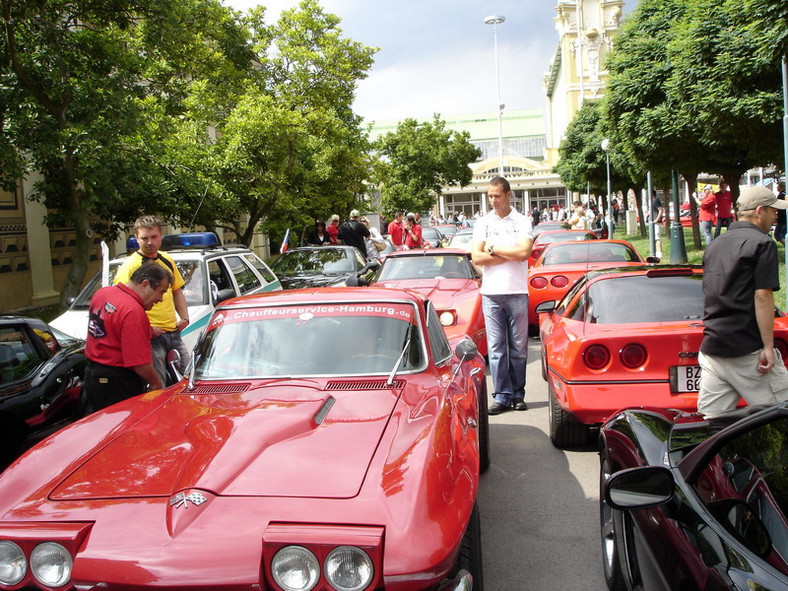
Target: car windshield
[
  {"x": 193, "y": 289},
  {"x": 592, "y": 252},
  {"x": 314, "y": 261},
  {"x": 637, "y": 299},
  {"x": 309, "y": 340},
  {"x": 426, "y": 267}
]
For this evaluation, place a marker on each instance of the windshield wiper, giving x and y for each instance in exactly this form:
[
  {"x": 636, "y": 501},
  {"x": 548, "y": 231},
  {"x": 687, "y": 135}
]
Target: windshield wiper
[{"x": 405, "y": 350}]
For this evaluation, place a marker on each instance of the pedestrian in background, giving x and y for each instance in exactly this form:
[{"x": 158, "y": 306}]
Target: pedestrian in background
[
  {"x": 374, "y": 242},
  {"x": 737, "y": 356},
  {"x": 707, "y": 216},
  {"x": 396, "y": 230},
  {"x": 657, "y": 220},
  {"x": 319, "y": 236},
  {"x": 412, "y": 230},
  {"x": 780, "y": 228},
  {"x": 724, "y": 208},
  {"x": 502, "y": 243},
  {"x": 118, "y": 348},
  {"x": 333, "y": 228},
  {"x": 354, "y": 233}
]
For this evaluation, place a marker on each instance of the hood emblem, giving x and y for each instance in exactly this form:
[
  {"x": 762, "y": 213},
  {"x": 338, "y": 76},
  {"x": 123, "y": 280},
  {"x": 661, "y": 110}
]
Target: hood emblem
[{"x": 182, "y": 499}]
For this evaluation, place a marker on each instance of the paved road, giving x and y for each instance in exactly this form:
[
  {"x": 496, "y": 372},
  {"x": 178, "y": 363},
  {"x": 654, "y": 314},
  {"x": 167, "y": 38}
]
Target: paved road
[{"x": 539, "y": 505}]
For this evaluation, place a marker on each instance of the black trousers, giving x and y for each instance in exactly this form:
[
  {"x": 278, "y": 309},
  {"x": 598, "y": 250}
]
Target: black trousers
[{"x": 105, "y": 385}]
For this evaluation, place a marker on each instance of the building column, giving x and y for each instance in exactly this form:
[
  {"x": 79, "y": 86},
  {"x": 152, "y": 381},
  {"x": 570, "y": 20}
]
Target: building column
[{"x": 39, "y": 248}]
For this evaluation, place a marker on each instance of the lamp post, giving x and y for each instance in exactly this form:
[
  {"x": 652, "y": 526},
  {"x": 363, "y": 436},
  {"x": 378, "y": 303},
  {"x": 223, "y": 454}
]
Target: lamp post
[
  {"x": 496, "y": 20},
  {"x": 609, "y": 218}
]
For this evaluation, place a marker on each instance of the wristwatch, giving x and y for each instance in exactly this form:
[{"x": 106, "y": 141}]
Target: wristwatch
[{"x": 490, "y": 249}]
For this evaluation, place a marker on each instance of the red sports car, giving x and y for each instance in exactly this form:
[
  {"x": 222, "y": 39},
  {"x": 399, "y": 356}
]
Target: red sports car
[
  {"x": 563, "y": 263},
  {"x": 552, "y": 236},
  {"x": 446, "y": 276},
  {"x": 326, "y": 439},
  {"x": 620, "y": 338}
]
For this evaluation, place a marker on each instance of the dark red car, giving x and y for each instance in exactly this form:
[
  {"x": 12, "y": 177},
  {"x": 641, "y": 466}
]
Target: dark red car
[{"x": 326, "y": 439}]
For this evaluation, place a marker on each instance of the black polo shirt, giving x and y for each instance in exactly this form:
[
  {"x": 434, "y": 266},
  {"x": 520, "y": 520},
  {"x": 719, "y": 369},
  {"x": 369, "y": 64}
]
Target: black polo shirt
[{"x": 735, "y": 264}]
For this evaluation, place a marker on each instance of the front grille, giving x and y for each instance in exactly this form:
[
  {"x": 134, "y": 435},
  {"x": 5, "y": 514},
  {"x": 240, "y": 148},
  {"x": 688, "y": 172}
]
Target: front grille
[{"x": 365, "y": 385}]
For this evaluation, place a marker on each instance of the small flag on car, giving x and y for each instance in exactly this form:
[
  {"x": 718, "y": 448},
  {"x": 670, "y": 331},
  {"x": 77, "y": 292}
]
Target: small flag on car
[{"x": 283, "y": 248}]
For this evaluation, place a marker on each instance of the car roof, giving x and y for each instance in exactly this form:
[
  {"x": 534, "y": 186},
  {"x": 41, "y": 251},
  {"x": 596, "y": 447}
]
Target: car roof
[
  {"x": 645, "y": 269},
  {"x": 313, "y": 296},
  {"x": 192, "y": 252},
  {"x": 422, "y": 252}
]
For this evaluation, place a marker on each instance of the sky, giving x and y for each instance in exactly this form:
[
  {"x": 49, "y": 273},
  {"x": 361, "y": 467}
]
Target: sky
[{"x": 438, "y": 56}]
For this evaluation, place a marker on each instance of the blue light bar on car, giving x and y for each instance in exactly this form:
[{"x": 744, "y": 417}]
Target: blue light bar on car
[{"x": 189, "y": 239}]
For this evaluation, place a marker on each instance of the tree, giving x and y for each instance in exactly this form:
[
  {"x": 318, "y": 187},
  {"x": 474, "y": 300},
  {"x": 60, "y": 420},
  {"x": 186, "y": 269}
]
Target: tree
[
  {"x": 89, "y": 89},
  {"x": 417, "y": 160},
  {"x": 288, "y": 147}
]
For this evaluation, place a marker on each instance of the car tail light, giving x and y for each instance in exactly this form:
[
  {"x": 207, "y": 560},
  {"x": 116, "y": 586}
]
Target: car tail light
[
  {"x": 782, "y": 347},
  {"x": 538, "y": 282},
  {"x": 633, "y": 355},
  {"x": 559, "y": 281},
  {"x": 596, "y": 356}
]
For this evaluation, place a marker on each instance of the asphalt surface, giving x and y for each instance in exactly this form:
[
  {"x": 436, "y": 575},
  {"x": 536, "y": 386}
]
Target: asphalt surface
[{"x": 539, "y": 505}]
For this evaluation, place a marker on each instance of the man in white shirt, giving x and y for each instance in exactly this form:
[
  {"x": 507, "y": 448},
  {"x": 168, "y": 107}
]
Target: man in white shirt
[{"x": 502, "y": 243}]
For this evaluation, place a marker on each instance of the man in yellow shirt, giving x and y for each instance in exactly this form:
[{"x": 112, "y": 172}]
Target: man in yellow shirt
[{"x": 166, "y": 326}]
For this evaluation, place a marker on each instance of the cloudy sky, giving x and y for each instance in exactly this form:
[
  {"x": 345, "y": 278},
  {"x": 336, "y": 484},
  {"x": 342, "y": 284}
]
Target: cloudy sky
[{"x": 437, "y": 56}]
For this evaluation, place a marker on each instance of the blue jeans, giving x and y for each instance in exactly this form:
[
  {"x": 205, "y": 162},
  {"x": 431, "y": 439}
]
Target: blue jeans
[
  {"x": 506, "y": 322},
  {"x": 705, "y": 229}
]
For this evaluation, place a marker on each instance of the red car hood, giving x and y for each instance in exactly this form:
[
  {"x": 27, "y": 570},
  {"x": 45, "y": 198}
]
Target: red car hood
[
  {"x": 442, "y": 292},
  {"x": 253, "y": 442}
]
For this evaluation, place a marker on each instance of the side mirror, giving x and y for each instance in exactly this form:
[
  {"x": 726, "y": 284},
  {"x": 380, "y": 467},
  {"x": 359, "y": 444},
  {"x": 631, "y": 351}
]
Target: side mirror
[
  {"x": 639, "y": 488},
  {"x": 465, "y": 350},
  {"x": 546, "y": 307},
  {"x": 653, "y": 260},
  {"x": 174, "y": 363},
  {"x": 224, "y": 294}
]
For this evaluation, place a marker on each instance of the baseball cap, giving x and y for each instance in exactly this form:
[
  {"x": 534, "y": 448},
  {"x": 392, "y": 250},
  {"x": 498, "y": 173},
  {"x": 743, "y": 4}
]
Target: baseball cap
[
  {"x": 707, "y": 188},
  {"x": 354, "y": 213},
  {"x": 753, "y": 197}
]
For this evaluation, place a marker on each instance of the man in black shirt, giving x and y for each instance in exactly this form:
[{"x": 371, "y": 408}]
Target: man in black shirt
[
  {"x": 737, "y": 355},
  {"x": 353, "y": 233}
]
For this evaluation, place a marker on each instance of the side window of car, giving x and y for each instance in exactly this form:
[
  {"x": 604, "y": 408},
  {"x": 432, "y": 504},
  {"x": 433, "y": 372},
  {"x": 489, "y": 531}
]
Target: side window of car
[
  {"x": 244, "y": 276},
  {"x": 438, "y": 341},
  {"x": 220, "y": 279},
  {"x": 18, "y": 357},
  {"x": 745, "y": 486},
  {"x": 261, "y": 267}
]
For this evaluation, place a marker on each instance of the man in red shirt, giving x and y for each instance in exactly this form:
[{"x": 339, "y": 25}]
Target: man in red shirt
[
  {"x": 707, "y": 213},
  {"x": 413, "y": 232},
  {"x": 120, "y": 362},
  {"x": 724, "y": 207},
  {"x": 395, "y": 230}
]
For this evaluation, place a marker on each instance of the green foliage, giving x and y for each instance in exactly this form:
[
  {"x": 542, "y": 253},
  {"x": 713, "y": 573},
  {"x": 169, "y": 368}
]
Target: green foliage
[{"x": 417, "y": 160}]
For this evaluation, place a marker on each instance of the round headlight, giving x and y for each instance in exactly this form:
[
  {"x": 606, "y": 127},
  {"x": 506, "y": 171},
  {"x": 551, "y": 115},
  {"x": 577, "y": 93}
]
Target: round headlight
[
  {"x": 13, "y": 565},
  {"x": 348, "y": 568},
  {"x": 447, "y": 318},
  {"x": 295, "y": 568},
  {"x": 51, "y": 564}
]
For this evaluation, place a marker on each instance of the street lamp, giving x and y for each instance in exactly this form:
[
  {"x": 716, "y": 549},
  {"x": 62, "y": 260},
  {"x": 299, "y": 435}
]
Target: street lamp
[
  {"x": 609, "y": 217},
  {"x": 496, "y": 20}
]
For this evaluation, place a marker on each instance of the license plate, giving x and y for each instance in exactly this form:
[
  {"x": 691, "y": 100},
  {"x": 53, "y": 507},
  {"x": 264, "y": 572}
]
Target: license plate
[{"x": 684, "y": 379}]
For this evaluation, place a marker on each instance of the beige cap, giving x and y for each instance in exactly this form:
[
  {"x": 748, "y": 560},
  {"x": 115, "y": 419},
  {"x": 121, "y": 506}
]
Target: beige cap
[
  {"x": 753, "y": 197},
  {"x": 354, "y": 213}
]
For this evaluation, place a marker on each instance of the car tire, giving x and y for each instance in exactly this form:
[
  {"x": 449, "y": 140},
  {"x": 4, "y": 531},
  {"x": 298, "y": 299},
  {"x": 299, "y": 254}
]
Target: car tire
[
  {"x": 484, "y": 429},
  {"x": 611, "y": 564},
  {"x": 471, "y": 550},
  {"x": 565, "y": 430}
]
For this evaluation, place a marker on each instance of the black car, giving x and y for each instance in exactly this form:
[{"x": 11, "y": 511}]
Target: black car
[
  {"x": 687, "y": 503},
  {"x": 41, "y": 374},
  {"x": 322, "y": 266}
]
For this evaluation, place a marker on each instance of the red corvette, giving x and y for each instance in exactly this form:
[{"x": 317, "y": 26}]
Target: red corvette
[
  {"x": 326, "y": 439},
  {"x": 563, "y": 263},
  {"x": 621, "y": 338},
  {"x": 551, "y": 236},
  {"x": 448, "y": 278}
]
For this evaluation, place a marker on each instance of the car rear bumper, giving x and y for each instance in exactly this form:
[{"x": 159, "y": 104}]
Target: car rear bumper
[{"x": 593, "y": 403}]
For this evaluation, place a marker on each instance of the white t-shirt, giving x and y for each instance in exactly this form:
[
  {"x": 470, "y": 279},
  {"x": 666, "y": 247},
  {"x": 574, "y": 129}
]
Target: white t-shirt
[{"x": 512, "y": 276}]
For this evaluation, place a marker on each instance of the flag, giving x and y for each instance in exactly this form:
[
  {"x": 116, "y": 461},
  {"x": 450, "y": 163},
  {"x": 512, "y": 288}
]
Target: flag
[{"x": 283, "y": 248}]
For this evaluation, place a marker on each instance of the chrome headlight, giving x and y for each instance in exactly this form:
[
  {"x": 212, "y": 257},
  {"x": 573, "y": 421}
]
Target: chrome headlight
[
  {"x": 447, "y": 318},
  {"x": 51, "y": 564},
  {"x": 348, "y": 568},
  {"x": 13, "y": 564},
  {"x": 295, "y": 568}
]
